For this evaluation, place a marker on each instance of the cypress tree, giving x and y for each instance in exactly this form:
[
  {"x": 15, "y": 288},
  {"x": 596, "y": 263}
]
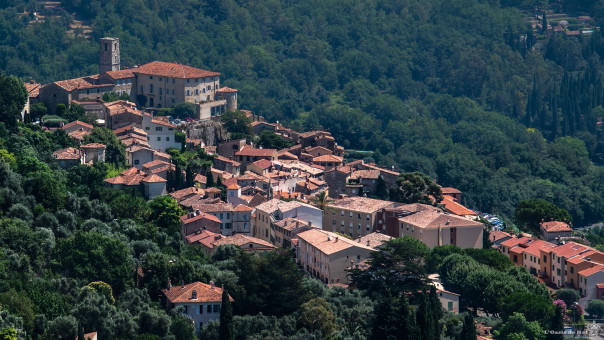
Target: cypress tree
[
  {"x": 210, "y": 179},
  {"x": 407, "y": 327},
  {"x": 544, "y": 23},
  {"x": 385, "y": 323},
  {"x": 426, "y": 321},
  {"x": 226, "y": 317},
  {"x": 468, "y": 332},
  {"x": 557, "y": 325}
]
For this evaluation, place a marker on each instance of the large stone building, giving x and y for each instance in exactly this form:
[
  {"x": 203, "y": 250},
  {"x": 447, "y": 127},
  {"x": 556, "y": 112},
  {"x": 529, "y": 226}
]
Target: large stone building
[
  {"x": 354, "y": 216},
  {"x": 154, "y": 85}
]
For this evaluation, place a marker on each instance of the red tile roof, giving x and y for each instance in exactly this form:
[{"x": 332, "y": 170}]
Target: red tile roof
[
  {"x": 121, "y": 74},
  {"x": 201, "y": 179},
  {"x": 591, "y": 271},
  {"x": 555, "y": 226},
  {"x": 242, "y": 207},
  {"x": 163, "y": 69},
  {"x": 242, "y": 240},
  {"x": 249, "y": 151},
  {"x": 449, "y": 190},
  {"x": 201, "y": 215},
  {"x": 78, "y": 123},
  {"x": 233, "y": 186},
  {"x": 455, "y": 207},
  {"x": 515, "y": 241},
  {"x": 497, "y": 235},
  {"x": 153, "y": 179},
  {"x": 263, "y": 163},
  {"x": 183, "y": 294},
  {"x": 327, "y": 158},
  {"x": 569, "y": 249},
  {"x": 93, "y": 146},
  {"x": 226, "y": 89},
  {"x": 186, "y": 193},
  {"x": 68, "y": 153}
]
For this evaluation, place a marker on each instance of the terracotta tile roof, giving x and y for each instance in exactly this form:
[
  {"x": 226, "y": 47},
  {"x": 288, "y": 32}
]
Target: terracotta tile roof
[
  {"x": 234, "y": 186},
  {"x": 154, "y": 179},
  {"x": 555, "y": 226},
  {"x": 569, "y": 249},
  {"x": 535, "y": 247},
  {"x": 93, "y": 146},
  {"x": 78, "y": 123},
  {"x": 136, "y": 148},
  {"x": 435, "y": 218},
  {"x": 328, "y": 242},
  {"x": 181, "y": 194},
  {"x": 497, "y": 235},
  {"x": 449, "y": 191},
  {"x": 155, "y": 163},
  {"x": 243, "y": 240},
  {"x": 77, "y": 83},
  {"x": 205, "y": 293},
  {"x": 201, "y": 179},
  {"x": 291, "y": 223},
  {"x": 590, "y": 271},
  {"x": 248, "y": 151},
  {"x": 79, "y": 134},
  {"x": 242, "y": 208},
  {"x": 600, "y": 285},
  {"x": 121, "y": 74},
  {"x": 582, "y": 257},
  {"x": 226, "y": 160},
  {"x": 360, "y": 204},
  {"x": 318, "y": 148},
  {"x": 391, "y": 172},
  {"x": 455, "y": 207},
  {"x": 164, "y": 69},
  {"x": 515, "y": 241},
  {"x": 216, "y": 207},
  {"x": 130, "y": 128},
  {"x": 157, "y": 154},
  {"x": 213, "y": 190},
  {"x": 161, "y": 122},
  {"x": 186, "y": 219},
  {"x": 373, "y": 240},
  {"x": 286, "y": 155},
  {"x": 132, "y": 171},
  {"x": 276, "y": 204},
  {"x": 190, "y": 202},
  {"x": 204, "y": 237},
  {"x": 370, "y": 174},
  {"x": 263, "y": 163},
  {"x": 256, "y": 200},
  {"x": 31, "y": 86},
  {"x": 67, "y": 154},
  {"x": 226, "y": 89}
]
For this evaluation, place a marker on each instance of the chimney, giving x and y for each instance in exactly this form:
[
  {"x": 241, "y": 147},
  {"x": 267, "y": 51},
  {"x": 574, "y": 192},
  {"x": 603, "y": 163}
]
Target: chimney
[
  {"x": 194, "y": 294},
  {"x": 197, "y": 212},
  {"x": 182, "y": 284},
  {"x": 169, "y": 284},
  {"x": 337, "y": 238},
  {"x": 212, "y": 286},
  {"x": 367, "y": 242},
  {"x": 447, "y": 222}
]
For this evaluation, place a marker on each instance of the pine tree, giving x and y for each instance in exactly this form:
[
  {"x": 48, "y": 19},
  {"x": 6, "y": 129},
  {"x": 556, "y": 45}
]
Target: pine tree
[
  {"x": 226, "y": 317},
  {"x": 468, "y": 332},
  {"x": 544, "y": 23}
]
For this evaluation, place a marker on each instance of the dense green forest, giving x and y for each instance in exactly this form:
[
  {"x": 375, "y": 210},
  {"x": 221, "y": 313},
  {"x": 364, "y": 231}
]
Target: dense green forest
[{"x": 449, "y": 88}]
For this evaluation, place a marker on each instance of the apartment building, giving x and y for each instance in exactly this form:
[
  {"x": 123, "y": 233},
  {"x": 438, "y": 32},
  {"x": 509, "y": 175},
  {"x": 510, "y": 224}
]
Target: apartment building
[
  {"x": 354, "y": 216},
  {"x": 326, "y": 256},
  {"x": 270, "y": 212}
]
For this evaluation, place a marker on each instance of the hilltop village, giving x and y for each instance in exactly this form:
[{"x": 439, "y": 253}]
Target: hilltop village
[{"x": 299, "y": 194}]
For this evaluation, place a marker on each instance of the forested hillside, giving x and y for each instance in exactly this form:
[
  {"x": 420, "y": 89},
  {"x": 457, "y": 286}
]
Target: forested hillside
[{"x": 449, "y": 88}]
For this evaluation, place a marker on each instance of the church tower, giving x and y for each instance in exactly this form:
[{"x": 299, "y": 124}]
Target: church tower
[{"x": 109, "y": 55}]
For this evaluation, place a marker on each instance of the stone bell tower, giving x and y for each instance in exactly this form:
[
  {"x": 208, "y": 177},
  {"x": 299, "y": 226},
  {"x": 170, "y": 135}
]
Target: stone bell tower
[{"x": 109, "y": 55}]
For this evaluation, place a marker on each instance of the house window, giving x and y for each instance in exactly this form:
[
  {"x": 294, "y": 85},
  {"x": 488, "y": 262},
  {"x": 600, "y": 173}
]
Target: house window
[
  {"x": 350, "y": 214},
  {"x": 449, "y": 306},
  {"x": 216, "y": 308},
  {"x": 151, "y": 88},
  {"x": 199, "y": 309},
  {"x": 209, "y": 309},
  {"x": 167, "y": 139},
  {"x": 196, "y": 92},
  {"x": 158, "y": 128},
  {"x": 342, "y": 212},
  {"x": 188, "y": 93},
  {"x": 342, "y": 223},
  {"x": 359, "y": 216},
  {"x": 136, "y": 161},
  {"x": 188, "y": 80},
  {"x": 172, "y": 100},
  {"x": 147, "y": 128},
  {"x": 367, "y": 217},
  {"x": 572, "y": 270},
  {"x": 186, "y": 309},
  {"x": 515, "y": 258},
  {"x": 161, "y": 91},
  {"x": 159, "y": 139},
  {"x": 173, "y": 81},
  {"x": 359, "y": 227},
  {"x": 333, "y": 221}
]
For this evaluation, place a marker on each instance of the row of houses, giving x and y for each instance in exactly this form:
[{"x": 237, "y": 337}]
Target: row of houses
[{"x": 562, "y": 264}]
